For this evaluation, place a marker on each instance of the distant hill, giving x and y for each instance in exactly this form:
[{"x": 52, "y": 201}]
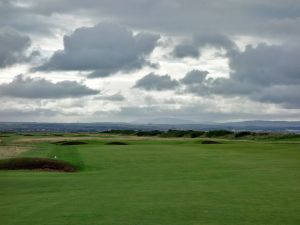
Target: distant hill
[
  {"x": 152, "y": 124},
  {"x": 263, "y": 123}
]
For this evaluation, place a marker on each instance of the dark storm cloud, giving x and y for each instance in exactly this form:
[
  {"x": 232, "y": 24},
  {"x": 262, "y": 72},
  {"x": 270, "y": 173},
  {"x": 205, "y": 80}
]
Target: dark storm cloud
[
  {"x": 12, "y": 47},
  {"x": 231, "y": 17},
  {"x": 156, "y": 82},
  {"x": 286, "y": 95},
  {"x": 268, "y": 18},
  {"x": 266, "y": 73},
  {"x": 267, "y": 65},
  {"x": 26, "y": 87},
  {"x": 193, "y": 47},
  {"x": 105, "y": 49},
  {"x": 25, "y": 18},
  {"x": 186, "y": 50},
  {"x": 194, "y": 76}
]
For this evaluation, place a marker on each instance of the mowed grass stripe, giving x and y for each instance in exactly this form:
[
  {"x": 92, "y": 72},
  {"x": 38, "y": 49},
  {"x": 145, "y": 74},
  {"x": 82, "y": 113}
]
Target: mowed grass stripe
[{"x": 68, "y": 153}]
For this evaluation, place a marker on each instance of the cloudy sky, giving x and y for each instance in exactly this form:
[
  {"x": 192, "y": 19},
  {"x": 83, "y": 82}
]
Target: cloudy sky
[{"x": 129, "y": 60}]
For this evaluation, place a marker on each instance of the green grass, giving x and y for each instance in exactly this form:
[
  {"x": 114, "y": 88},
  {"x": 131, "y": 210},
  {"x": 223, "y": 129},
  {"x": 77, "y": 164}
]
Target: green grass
[{"x": 158, "y": 182}]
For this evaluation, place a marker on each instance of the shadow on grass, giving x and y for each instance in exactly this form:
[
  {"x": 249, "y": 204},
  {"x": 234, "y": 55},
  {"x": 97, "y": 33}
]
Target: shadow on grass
[
  {"x": 70, "y": 143},
  {"x": 208, "y": 142},
  {"x": 116, "y": 143}
]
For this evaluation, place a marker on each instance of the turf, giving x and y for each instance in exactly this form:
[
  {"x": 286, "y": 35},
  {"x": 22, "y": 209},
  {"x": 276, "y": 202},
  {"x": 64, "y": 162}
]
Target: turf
[{"x": 158, "y": 182}]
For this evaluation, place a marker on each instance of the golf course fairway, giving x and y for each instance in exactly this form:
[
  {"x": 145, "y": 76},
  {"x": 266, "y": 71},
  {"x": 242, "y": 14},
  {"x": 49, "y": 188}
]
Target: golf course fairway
[{"x": 156, "y": 181}]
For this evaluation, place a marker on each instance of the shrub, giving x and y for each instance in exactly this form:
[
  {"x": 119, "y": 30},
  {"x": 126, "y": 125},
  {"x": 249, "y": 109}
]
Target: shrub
[
  {"x": 123, "y": 132},
  {"x": 149, "y": 133},
  {"x": 242, "y": 134},
  {"x": 218, "y": 133}
]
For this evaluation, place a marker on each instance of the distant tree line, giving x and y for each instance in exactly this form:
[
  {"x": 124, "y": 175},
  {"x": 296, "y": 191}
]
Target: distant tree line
[
  {"x": 173, "y": 133},
  {"x": 209, "y": 134}
]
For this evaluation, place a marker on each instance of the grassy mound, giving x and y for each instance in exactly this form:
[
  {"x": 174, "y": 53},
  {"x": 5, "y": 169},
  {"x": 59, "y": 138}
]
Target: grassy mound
[
  {"x": 70, "y": 143},
  {"x": 36, "y": 164},
  {"x": 116, "y": 143},
  {"x": 210, "y": 142}
]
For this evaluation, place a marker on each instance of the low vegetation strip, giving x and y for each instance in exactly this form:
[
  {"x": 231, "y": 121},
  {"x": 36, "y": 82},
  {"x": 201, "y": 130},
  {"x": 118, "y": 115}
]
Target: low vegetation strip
[
  {"x": 174, "y": 133},
  {"x": 228, "y": 134},
  {"x": 70, "y": 143},
  {"x": 43, "y": 164},
  {"x": 207, "y": 142}
]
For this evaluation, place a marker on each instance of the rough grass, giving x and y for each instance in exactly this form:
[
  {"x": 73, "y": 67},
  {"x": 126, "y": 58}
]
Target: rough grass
[
  {"x": 11, "y": 151},
  {"x": 43, "y": 164}
]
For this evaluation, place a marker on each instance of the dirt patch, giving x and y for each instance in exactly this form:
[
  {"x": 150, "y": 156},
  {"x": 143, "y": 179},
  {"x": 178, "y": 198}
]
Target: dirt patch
[
  {"x": 42, "y": 164},
  {"x": 116, "y": 143},
  {"x": 207, "y": 142},
  {"x": 70, "y": 143}
]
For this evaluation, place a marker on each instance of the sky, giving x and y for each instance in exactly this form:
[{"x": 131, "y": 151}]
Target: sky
[{"x": 133, "y": 60}]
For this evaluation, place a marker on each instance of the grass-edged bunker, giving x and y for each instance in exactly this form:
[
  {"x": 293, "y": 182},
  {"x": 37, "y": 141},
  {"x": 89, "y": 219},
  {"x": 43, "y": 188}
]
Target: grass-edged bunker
[{"x": 43, "y": 164}]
